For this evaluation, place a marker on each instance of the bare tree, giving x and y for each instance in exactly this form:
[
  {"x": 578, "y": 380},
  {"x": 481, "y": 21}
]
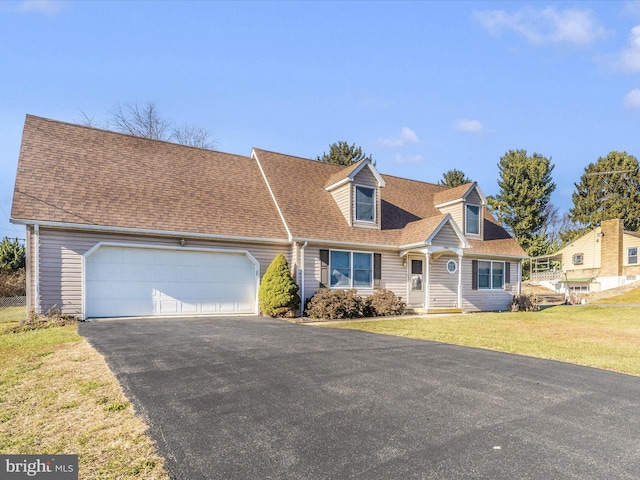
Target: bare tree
[{"x": 145, "y": 121}]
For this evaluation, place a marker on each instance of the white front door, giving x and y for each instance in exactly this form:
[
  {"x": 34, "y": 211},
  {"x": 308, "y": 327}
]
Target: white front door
[{"x": 415, "y": 266}]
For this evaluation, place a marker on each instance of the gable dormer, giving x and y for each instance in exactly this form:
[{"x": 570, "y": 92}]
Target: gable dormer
[
  {"x": 466, "y": 205},
  {"x": 356, "y": 191}
]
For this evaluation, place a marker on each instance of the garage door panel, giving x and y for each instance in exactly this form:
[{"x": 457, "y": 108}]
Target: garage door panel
[{"x": 134, "y": 281}]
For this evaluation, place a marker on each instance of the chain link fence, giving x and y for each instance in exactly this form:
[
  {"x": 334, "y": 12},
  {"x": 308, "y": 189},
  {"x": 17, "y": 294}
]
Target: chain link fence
[{"x": 6, "y": 302}]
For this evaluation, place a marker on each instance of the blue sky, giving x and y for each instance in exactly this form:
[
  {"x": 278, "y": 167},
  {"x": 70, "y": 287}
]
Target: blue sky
[{"x": 423, "y": 87}]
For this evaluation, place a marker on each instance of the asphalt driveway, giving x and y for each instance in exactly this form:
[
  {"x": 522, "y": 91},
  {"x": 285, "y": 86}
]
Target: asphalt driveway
[{"x": 256, "y": 398}]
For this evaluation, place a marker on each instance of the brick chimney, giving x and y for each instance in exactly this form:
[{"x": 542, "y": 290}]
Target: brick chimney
[{"x": 611, "y": 241}]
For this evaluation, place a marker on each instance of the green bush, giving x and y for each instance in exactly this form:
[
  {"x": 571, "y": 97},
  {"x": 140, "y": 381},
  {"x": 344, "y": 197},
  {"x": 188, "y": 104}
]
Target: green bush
[
  {"x": 12, "y": 255},
  {"x": 383, "y": 303},
  {"x": 278, "y": 293},
  {"x": 335, "y": 304}
]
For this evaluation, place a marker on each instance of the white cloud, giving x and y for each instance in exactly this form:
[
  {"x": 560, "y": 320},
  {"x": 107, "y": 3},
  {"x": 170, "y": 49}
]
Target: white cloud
[
  {"x": 629, "y": 58},
  {"x": 406, "y": 137},
  {"x": 467, "y": 126},
  {"x": 47, "y": 7},
  {"x": 632, "y": 99},
  {"x": 548, "y": 26},
  {"x": 408, "y": 160}
]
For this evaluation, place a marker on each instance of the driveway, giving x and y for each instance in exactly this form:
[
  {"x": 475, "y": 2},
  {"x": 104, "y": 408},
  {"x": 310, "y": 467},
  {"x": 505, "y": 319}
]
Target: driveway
[{"x": 256, "y": 398}]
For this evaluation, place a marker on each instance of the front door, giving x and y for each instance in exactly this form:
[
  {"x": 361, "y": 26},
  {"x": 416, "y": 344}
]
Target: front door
[{"x": 415, "y": 266}]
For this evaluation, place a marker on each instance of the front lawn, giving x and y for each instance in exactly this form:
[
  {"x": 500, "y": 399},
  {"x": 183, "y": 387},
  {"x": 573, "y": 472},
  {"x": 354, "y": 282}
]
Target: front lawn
[
  {"x": 606, "y": 337},
  {"x": 57, "y": 395}
]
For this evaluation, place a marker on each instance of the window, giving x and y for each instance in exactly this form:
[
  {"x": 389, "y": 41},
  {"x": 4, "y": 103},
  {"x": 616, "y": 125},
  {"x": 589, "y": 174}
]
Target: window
[
  {"x": 577, "y": 258},
  {"x": 472, "y": 224},
  {"x": 351, "y": 269},
  {"x": 365, "y": 204},
  {"x": 452, "y": 266},
  {"x": 490, "y": 275},
  {"x": 632, "y": 255}
]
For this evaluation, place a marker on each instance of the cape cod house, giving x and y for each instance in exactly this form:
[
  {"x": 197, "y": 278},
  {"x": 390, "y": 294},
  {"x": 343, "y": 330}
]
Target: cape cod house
[{"x": 118, "y": 226}]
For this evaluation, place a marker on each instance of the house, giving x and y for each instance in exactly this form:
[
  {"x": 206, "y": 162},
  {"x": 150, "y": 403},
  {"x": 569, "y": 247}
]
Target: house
[
  {"x": 604, "y": 258},
  {"x": 118, "y": 225}
]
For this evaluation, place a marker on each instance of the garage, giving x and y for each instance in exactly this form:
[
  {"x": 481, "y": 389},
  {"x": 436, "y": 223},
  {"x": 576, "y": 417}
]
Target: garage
[{"x": 132, "y": 281}]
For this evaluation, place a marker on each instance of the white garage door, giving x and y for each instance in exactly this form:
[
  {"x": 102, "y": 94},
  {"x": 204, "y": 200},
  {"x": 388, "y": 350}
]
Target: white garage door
[{"x": 126, "y": 281}]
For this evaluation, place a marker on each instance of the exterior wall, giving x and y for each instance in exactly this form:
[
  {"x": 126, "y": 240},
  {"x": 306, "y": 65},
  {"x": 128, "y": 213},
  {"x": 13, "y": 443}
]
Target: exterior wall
[
  {"x": 446, "y": 237},
  {"x": 474, "y": 199},
  {"x": 366, "y": 178},
  {"x": 61, "y": 254},
  {"x": 589, "y": 246},
  {"x": 630, "y": 240},
  {"x": 342, "y": 197},
  {"x": 457, "y": 213},
  {"x": 487, "y": 300},
  {"x": 611, "y": 248},
  {"x": 443, "y": 286},
  {"x": 31, "y": 249}
]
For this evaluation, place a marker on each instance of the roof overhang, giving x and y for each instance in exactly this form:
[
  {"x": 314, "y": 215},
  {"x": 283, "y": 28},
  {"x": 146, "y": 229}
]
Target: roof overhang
[{"x": 354, "y": 172}]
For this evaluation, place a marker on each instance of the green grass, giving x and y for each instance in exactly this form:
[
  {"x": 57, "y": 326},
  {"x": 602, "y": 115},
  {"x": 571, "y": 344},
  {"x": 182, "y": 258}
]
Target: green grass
[
  {"x": 604, "y": 337},
  {"x": 630, "y": 297},
  {"x": 12, "y": 314}
]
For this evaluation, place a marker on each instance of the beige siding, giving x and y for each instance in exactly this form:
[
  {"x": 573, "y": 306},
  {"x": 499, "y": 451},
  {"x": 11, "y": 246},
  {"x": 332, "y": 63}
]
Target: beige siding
[
  {"x": 447, "y": 237},
  {"x": 61, "y": 254},
  {"x": 366, "y": 178},
  {"x": 486, "y": 300},
  {"x": 443, "y": 286},
  {"x": 456, "y": 212},
  {"x": 589, "y": 246},
  {"x": 342, "y": 197},
  {"x": 629, "y": 241}
]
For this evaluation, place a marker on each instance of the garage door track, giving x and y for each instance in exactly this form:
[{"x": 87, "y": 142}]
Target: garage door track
[{"x": 255, "y": 398}]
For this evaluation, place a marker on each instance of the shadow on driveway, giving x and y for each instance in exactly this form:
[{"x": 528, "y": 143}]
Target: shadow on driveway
[{"x": 256, "y": 398}]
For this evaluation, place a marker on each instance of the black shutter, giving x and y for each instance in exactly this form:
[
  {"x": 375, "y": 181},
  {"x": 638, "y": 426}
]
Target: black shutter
[
  {"x": 507, "y": 275},
  {"x": 324, "y": 268},
  {"x": 474, "y": 274},
  {"x": 377, "y": 270}
]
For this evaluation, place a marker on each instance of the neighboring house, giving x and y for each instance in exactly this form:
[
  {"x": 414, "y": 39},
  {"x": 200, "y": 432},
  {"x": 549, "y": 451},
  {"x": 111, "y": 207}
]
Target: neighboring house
[
  {"x": 604, "y": 258},
  {"x": 125, "y": 226}
]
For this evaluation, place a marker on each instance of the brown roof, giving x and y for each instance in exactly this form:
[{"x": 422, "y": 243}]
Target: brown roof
[
  {"x": 74, "y": 174},
  {"x": 451, "y": 194},
  {"x": 80, "y": 175},
  {"x": 341, "y": 174}
]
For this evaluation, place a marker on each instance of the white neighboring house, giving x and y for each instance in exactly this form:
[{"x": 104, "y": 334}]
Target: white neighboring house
[{"x": 604, "y": 258}]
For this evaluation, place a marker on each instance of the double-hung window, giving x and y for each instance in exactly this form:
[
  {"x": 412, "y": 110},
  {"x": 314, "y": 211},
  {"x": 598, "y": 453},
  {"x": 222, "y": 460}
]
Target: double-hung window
[
  {"x": 365, "y": 204},
  {"x": 632, "y": 255},
  {"x": 472, "y": 221},
  {"x": 351, "y": 269},
  {"x": 491, "y": 275}
]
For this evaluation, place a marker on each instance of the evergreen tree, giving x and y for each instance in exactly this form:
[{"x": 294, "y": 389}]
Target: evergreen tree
[
  {"x": 12, "y": 255},
  {"x": 342, "y": 153},
  {"x": 278, "y": 293},
  {"x": 454, "y": 178},
  {"x": 525, "y": 192},
  {"x": 608, "y": 188}
]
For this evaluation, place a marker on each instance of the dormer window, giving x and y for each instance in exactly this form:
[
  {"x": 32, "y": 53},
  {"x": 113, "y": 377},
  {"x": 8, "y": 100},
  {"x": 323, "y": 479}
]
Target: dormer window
[
  {"x": 365, "y": 204},
  {"x": 472, "y": 222}
]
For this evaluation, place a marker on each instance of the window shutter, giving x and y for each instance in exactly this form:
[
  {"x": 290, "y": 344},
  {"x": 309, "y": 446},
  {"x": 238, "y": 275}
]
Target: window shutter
[
  {"x": 474, "y": 274},
  {"x": 507, "y": 275},
  {"x": 324, "y": 268},
  {"x": 377, "y": 270}
]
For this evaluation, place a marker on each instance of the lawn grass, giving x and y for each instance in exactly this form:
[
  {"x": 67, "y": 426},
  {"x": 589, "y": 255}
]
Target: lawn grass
[
  {"x": 12, "y": 314},
  {"x": 630, "y": 297},
  {"x": 606, "y": 337},
  {"x": 57, "y": 395}
]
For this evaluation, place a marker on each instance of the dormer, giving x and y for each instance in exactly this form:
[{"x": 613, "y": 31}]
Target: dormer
[
  {"x": 466, "y": 205},
  {"x": 356, "y": 191}
]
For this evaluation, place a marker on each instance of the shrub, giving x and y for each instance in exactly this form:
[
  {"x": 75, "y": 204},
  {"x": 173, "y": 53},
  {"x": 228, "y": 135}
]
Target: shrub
[
  {"x": 524, "y": 303},
  {"x": 13, "y": 284},
  {"x": 383, "y": 303},
  {"x": 335, "y": 304},
  {"x": 278, "y": 293}
]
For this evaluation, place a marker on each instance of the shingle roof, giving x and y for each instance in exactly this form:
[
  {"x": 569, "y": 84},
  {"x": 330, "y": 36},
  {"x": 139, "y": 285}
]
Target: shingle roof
[
  {"x": 74, "y": 174},
  {"x": 79, "y": 175},
  {"x": 452, "y": 194}
]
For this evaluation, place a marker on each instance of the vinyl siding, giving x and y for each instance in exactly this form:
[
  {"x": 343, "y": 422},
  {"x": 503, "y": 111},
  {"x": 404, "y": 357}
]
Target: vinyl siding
[
  {"x": 456, "y": 213},
  {"x": 590, "y": 248},
  {"x": 342, "y": 197},
  {"x": 629, "y": 241},
  {"x": 443, "y": 286},
  {"x": 486, "y": 300},
  {"x": 446, "y": 237},
  {"x": 61, "y": 254},
  {"x": 474, "y": 199},
  {"x": 366, "y": 178}
]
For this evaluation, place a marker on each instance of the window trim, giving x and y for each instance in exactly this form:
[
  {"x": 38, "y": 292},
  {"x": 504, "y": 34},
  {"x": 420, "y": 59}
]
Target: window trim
[
  {"x": 579, "y": 255},
  {"x": 374, "y": 205},
  {"x": 629, "y": 256},
  {"x": 491, "y": 275},
  {"x": 466, "y": 219},
  {"x": 455, "y": 266},
  {"x": 351, "y": 270}
]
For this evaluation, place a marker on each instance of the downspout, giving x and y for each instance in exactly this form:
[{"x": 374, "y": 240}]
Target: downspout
[
  {"x": 36, "y": 254},
  {"x": 427, "y": 284},
  {"x": 460, "y": 282},
  {"x": 301, "y": 270}
]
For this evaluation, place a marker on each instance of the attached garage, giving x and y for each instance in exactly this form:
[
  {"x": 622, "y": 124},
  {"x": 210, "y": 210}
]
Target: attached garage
[{"x": 133, "y": 280}]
